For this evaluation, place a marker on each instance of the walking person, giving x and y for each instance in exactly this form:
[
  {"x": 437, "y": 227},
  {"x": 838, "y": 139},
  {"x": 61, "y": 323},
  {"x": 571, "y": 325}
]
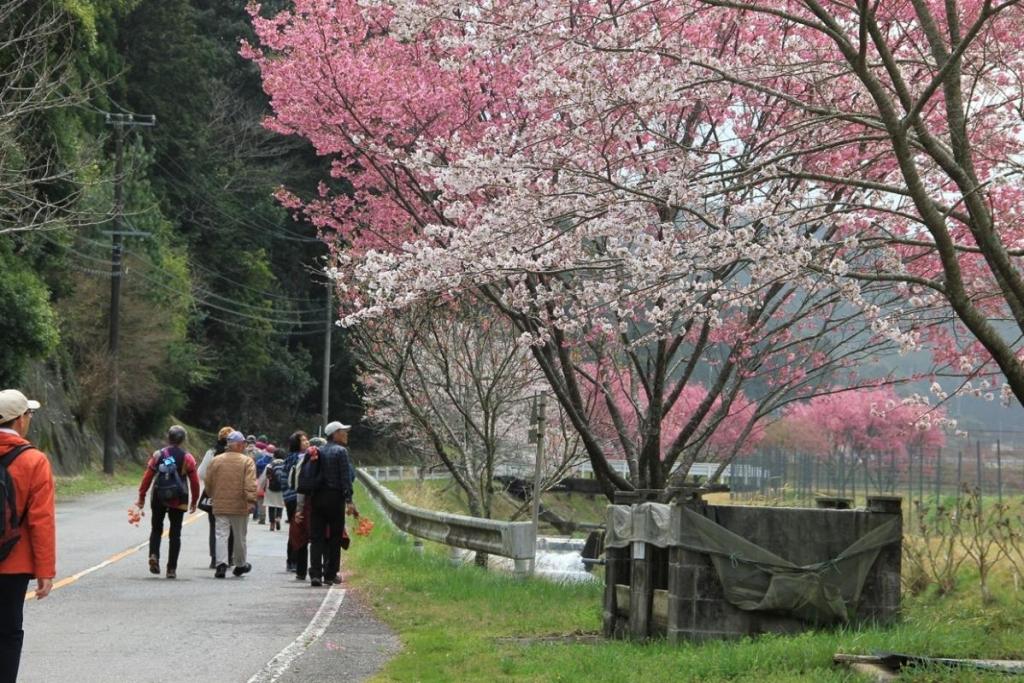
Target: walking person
[
  {"x": 298, "y": 539},
  {"x": 33, "y": 555},
  {"x": 329, "y": 503},
  {"x": 262, "y": 458},
  {"x": 166, "y": 473},
  {"x": 231, "y": 483},
  {"x": 273, "y": 484},
  {"x": 211, "y": 453}
]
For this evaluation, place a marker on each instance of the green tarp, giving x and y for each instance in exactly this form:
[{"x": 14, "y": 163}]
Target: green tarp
[{"x": 756, "y": 579}]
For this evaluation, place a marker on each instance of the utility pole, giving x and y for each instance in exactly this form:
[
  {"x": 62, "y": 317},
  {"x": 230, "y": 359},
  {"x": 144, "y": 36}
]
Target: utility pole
[
  {"x": 119, "y": 122},
  {"x": 326, "y": 390},
  {"x": 540, "y": 406}
]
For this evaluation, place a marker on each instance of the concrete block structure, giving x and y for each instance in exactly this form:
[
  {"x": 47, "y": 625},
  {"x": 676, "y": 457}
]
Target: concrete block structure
[{"x": 665, "y": 577}]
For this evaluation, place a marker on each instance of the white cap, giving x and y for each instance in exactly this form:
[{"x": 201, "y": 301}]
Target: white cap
[
  {"x": 335, "y": 427},
  {"x": 13, "y": 405}
]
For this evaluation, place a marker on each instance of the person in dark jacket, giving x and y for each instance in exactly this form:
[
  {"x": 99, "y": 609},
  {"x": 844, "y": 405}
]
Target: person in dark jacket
[
  {"x": 298, "y": 553},
  {"x": 329, "y": 505}
]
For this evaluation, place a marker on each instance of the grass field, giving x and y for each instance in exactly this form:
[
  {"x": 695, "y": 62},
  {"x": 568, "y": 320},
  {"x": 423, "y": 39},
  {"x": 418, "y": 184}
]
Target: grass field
[{"x": 464, "y": 624}]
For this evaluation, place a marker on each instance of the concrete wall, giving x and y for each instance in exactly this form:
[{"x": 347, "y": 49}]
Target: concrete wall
[{"x": 675, "y": 592}]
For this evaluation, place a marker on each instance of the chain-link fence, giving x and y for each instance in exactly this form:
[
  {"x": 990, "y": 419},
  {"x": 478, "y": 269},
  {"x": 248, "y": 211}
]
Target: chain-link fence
[{"x": 994, "y": 468}]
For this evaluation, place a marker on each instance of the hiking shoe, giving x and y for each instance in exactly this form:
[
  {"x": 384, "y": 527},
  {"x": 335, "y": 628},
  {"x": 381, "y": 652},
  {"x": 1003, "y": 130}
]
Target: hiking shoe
[
  {"x": 332, "y": 581},
  {"x": 244, "y": 569},
  {"x": 222, "y": 570},
  {"x": 213, "y": 564},
  {"x": 154, "y": 564},
  {"x": 172, "y": 573},
  {"x": 300, "y": 577},
  {"x": 315, "y": 583}
]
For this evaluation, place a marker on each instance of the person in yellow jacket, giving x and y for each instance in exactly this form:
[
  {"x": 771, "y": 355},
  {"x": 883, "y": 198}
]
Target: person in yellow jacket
[{"x": 231, "y": 485}]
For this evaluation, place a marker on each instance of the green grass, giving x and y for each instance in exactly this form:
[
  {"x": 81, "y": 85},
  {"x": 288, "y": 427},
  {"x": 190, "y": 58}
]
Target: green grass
[
  {"x": 464, "y": 624},
  {"x": 95, "y": 481}
]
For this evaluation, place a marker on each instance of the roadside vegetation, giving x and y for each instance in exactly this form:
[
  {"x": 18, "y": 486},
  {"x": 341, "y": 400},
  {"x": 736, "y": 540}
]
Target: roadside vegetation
[
  {"x": 93, "y": 480},
  {"x": 461, "y": 623}
]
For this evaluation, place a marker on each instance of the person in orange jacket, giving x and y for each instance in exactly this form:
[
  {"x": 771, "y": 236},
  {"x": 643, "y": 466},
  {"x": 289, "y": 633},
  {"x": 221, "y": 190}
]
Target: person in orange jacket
[{"x": 34, "y": 554}]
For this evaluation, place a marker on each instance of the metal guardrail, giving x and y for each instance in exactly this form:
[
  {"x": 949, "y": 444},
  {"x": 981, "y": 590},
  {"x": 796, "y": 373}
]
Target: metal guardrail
[
  {"x": 515, "y": 540},
  {"x": 404, "y": 472}
]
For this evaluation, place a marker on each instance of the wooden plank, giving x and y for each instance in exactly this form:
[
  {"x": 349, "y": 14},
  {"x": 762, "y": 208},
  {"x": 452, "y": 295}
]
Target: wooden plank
[{"x": 640, "y": 593}]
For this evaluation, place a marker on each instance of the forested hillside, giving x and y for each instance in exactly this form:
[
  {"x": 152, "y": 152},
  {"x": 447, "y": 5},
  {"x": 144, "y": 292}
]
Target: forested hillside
[{"x": 223, "y": 307}]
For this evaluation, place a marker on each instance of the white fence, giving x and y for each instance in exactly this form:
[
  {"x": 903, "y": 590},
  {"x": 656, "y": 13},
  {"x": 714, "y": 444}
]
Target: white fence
[
  {"x": 405, "y": 473},
  {"x": 698, "y": 469}
]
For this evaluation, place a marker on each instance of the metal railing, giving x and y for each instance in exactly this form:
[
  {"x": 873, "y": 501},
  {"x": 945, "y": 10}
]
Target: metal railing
[
  {"x": 404, "y": 472},
  {"x": 515, "y": 540}
]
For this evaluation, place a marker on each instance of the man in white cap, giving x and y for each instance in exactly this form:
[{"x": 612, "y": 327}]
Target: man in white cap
[
  {"x": 329, "y": 504},
  {"x": 29, "y": 548}
]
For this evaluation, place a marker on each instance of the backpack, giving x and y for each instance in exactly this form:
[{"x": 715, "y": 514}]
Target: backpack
[
  {"x": 10, "y": 522},
  {"x": 274, "y": 472},
  {"x": 169, "y": 487},
  {"x": 311, "y": 475}
]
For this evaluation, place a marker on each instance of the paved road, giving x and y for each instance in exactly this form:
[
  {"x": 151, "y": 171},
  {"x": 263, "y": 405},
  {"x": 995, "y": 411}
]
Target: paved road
[{"x": 121, "y": 623}]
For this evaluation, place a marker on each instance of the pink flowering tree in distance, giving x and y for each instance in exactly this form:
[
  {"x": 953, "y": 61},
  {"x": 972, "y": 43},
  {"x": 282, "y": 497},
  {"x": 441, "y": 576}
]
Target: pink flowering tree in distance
[
  {"x": 872, "y": 430},
  {"x": 623, "y": 207}
]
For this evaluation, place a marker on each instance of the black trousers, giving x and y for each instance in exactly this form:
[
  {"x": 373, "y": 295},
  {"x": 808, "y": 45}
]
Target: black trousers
[
  {"x": 12, "y": 607},
  {"x": 326, "y": 525},
  {"x": 159, "y": 511}
]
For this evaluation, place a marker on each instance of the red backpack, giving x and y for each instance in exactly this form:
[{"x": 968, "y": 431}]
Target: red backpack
[{"x": 10, "y": 521}]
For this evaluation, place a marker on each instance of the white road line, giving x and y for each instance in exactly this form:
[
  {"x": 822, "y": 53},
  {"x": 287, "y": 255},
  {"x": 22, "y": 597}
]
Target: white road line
[{"x": 278, "y": 665}]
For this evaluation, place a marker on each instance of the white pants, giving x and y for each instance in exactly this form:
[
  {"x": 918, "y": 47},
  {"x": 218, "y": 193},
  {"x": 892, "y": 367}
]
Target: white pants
[{"x": 226, "y": 524}]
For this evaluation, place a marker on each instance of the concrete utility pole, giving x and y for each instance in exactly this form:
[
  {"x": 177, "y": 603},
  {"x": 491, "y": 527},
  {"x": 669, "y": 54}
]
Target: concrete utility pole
[
  {"x": 541, "y": 406},
  {"x": 119, "y": 122},
  {"x": 326, "y": 388}
]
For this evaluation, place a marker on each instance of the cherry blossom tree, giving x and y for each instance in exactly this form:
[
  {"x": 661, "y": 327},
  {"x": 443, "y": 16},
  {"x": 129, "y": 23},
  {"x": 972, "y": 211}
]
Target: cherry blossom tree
[
  {"x": 872, "y": 429},
  {"x": 887, "y": 134},
  {"x": 618, "y": 422},
  {"x": 545, "y": 159},
  {"x": 447, "y": 381}
]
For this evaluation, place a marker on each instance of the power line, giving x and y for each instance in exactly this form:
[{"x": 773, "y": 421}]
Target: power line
[
  {"x": 304, "y": 333},
  {"x": 196, "y": 266},
  {"x": 204, "y": 293},
  {"x": 270, "y": 295},
  {"x": 195, "y": 189},
  {"x": 208, "y": 304}
]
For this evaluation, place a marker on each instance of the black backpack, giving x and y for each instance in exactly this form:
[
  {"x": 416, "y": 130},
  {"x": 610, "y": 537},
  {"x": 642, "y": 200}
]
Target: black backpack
[
  {"x": 169, "y": 487},
  {"x": 311, "y": 474},
  {"x": 10, "y": 521},
  {"x": 274, "y": 472}
]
